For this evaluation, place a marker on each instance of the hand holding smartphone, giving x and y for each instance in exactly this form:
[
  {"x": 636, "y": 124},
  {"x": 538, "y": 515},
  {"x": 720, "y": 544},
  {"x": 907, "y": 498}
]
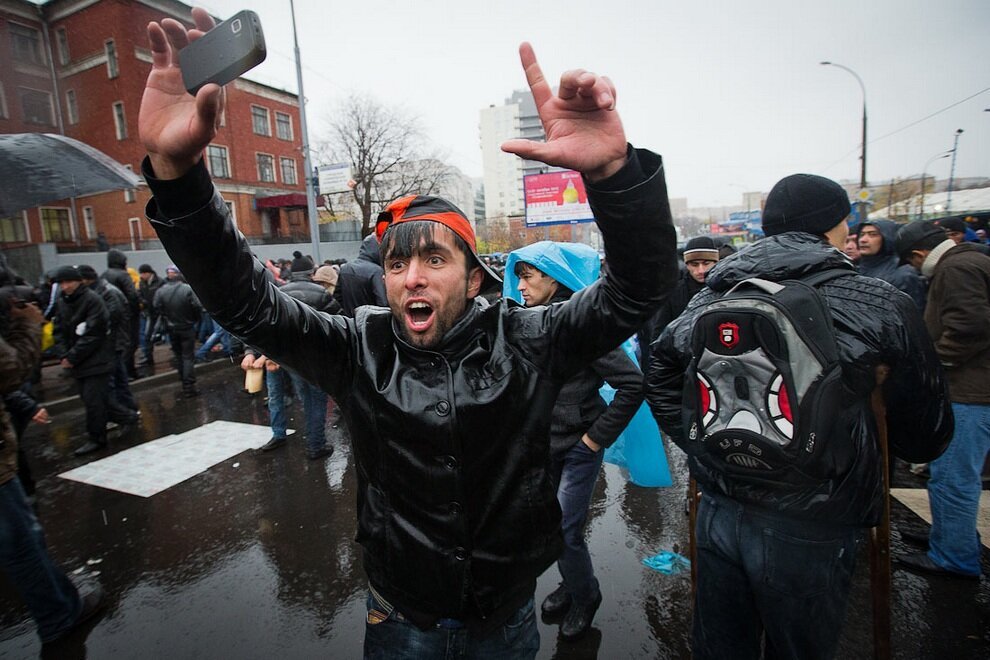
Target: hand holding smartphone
[{"x": 230, "y": 49}]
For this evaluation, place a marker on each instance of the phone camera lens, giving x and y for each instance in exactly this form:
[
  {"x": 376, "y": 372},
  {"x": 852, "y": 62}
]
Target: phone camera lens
[{"x": 235, "y": 25}]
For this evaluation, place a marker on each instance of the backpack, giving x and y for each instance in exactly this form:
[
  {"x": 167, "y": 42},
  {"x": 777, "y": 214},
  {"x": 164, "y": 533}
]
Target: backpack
[{"x": 764, "y": 386}]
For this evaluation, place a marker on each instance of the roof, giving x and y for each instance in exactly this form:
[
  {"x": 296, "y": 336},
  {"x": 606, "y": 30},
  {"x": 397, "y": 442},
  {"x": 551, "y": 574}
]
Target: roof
[{"x": 963, "y": 201}]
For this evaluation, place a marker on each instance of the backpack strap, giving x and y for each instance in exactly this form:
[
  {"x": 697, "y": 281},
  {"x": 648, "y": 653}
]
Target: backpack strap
[{"x": 817, "y": 279}]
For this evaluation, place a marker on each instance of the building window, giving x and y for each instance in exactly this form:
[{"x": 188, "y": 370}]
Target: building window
[
  {"x": 13, "y": 230},
  {"x": 36, "y": 107},
  {"x": 266, "y": 168},
  {"x": 283, "y": 126},
  {"x": 55, "y": 225},
  {"x": 288, "y": 171},
  {"x": 216, "y": 159},
  {"x": 89, "y": 221},
  {"x": 232, "y": 210},
  {"x": 260, "y": 123},
  {"x": 111, "y": 51},
  {"x": 130, "y": 194},
  {"x": 25, "y": 44},
  {"x": 71, "y": 106},
  {"x": 119, "y": 120},
  {"x": 62, "y": 41}
]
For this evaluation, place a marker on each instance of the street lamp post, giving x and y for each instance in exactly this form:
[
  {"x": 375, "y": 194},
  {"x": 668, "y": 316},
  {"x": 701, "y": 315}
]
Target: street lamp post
[
  {"x": 952, "y": 172},
  {"x": 314, "y": 225},
  {"x": 924, "y": 173},
  {"x": 862, "y": 157}
]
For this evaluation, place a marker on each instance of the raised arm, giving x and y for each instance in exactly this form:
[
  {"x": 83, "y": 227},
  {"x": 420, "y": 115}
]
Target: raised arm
[{"x": 583, "y": 130}]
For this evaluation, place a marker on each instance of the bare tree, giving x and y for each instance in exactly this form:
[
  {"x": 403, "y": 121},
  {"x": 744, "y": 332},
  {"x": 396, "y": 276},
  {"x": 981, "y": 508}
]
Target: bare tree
[{"x": 387, "y": 152}]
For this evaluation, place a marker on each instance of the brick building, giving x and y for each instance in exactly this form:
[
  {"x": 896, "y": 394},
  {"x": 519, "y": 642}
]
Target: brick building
[{"x": 78, "y": 67}]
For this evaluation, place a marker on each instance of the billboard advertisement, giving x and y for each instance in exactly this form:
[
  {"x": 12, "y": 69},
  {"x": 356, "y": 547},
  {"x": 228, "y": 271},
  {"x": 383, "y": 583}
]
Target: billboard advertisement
[
  {"x": 556, "y": 198},
  {"x": 333, "y": 178}
]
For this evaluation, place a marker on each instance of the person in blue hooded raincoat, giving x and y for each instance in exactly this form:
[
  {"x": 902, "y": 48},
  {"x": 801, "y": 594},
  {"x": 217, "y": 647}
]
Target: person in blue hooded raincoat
[{"x": 582, "y": 425}]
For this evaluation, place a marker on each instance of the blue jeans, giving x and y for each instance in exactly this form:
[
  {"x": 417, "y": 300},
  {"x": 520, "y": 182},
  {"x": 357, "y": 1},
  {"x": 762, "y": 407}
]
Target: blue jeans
[
  {"x": 275, "y": 381},
  {"x": 576, "y": 472},
  {"x": 220, "y": 336},
  {"x": 762, "y": 574},
  {"x": 393, "y": 637},
  {"x": 314, "y": 406},
  {"x": 954, "y": 491},
  {"x": 52, "y": 600}
]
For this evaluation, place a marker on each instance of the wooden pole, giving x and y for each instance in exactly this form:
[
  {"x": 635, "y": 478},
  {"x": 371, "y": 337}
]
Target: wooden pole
[{"x": 880, "y": 540}]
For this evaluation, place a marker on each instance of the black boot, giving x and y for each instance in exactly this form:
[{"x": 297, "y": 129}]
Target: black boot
[
  {"x": 557, "y": 603},
  {"x": 90, "y": 447},
  {"x": 579, "y": 618}
]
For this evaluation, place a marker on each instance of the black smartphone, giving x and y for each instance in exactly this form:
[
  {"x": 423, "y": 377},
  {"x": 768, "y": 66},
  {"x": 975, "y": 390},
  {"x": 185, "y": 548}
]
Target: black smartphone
[{"x": 230, "y": 49}]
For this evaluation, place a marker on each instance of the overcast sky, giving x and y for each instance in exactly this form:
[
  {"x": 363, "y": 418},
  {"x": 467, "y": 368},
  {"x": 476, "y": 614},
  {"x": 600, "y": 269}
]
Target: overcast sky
[{"x": 730, "y": 92}]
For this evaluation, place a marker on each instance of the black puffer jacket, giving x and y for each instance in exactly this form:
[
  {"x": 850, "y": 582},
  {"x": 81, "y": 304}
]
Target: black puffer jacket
[
  {"x": 120, "y": 314},
  {"x": 360, "y": 282},
  {"x": 82, "y": 330},
  {"x": 456, "y": 512},
  {"x": 178, "y": 305},
  {"x": 886, "y": 265},
  {"x": 874, "y": 325}
]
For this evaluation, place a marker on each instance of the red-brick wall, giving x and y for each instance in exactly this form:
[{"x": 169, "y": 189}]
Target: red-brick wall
[{"x": 124, "y": 21}]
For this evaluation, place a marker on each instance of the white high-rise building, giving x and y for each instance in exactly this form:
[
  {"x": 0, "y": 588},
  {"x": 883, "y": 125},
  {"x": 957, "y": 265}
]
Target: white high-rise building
[{"x": 503, "y": 172}]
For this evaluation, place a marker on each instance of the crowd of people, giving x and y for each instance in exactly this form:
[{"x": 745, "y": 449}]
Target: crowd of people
[{"x": 475, "y": 421}]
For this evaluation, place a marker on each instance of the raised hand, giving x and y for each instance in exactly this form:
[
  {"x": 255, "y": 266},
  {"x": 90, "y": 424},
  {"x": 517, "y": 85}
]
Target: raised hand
[
  {"x": 174, "y": 126},
  {"x": 583, "y": 130}
]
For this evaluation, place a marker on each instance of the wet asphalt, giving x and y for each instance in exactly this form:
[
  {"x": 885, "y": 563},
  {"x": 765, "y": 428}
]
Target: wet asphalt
[{"x": 255, "y": 558}]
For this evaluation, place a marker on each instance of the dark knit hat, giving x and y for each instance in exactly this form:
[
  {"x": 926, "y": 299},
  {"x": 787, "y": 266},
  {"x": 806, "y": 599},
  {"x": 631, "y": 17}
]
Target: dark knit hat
[
  {"x": 301, "y": 264},
  {"x": 804, "y": 202},
  {"x": 918, "y": 236},
  {"x": 952, "y": 224},
  {"x": 67, "y": 274},
  {"x": 87, "y": 272},
  {"x": 145, "y": 268},
  {"x": 701, "y": 247}
]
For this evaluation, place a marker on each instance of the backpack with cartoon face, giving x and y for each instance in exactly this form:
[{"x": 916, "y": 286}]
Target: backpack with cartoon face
[{"x": 764, "y": 387}]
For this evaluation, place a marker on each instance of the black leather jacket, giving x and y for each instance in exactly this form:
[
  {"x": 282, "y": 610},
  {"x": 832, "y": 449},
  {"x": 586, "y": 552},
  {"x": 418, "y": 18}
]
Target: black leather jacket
[
  {"x": 312, "y": 294},
  {"x": 178, "y": 305},
  {"x": 456, "y": 511},
  {"x": 874, "y": 324},
  {"x": 120, "y": 313},
  {"x": 360, "y": 282}
]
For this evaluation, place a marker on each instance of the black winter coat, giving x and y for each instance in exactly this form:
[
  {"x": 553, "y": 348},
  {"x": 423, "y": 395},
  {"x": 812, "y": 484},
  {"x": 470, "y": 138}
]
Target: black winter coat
[
  {"x": 874, "y": 325},
  {"x": 117, "y": 275},
  {"x": 82, "y": 329},
  {"x": 580, "y": 408},
  {"x": 360, "y": 282},
  {"x": 457, "y": 514},
  {"x": 311, "y": 293}
]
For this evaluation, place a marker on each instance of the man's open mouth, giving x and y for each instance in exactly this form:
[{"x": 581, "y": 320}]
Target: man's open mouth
[{"x": 419, "y": 315}]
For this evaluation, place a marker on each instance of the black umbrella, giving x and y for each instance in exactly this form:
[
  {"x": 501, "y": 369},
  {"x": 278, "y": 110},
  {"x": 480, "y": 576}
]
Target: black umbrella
[{"x": 37, "y": 168}]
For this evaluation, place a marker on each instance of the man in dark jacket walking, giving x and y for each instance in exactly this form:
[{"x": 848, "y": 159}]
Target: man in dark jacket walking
[
  {"x": 117, "y": 275},
  {"x": 878, "y": 258},
  {"x": 957, "y": 315},
  {"x": 86, "y": 346},
  {"x": 147, "y": 288},
  {"x": 448, "y": 400},
  {"x": 122, "y": 405},
  {"x": 301, "y": 287},
  {"x": 774, "y": 563},
  {"x": 582, "y": 425},
  {"x": 179, "y": 306},
  {"x": 361, "y": 281}
]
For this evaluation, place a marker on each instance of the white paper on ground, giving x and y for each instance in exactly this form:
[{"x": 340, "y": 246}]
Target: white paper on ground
[{"x": 154, "y": 466}]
